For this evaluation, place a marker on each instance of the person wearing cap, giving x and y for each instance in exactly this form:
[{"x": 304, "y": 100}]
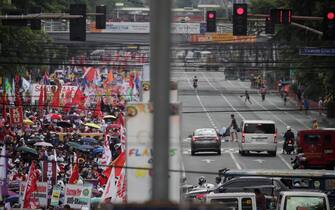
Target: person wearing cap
[{"x": 287, "y": 136}]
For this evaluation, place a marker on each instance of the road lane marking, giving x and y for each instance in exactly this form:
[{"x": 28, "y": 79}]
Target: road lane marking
[
  {"x": 238, "y": 166},
  {"x": 303, "y": 124},
  {"x": 224, "y": 97},
  {"x": 283, "y": 159},
  {"x": 285, "y": 124},
  {"x": 269, "y": 100},
  {"x": 231, "y": 154},
  {"x": 261, "y": 161},
  {"x": 202, "y": 105},
  {"x": 208, "y": 160}
]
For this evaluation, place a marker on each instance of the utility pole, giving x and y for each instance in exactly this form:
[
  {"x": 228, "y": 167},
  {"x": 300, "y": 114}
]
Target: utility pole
[{"x": 160, "y": 38}]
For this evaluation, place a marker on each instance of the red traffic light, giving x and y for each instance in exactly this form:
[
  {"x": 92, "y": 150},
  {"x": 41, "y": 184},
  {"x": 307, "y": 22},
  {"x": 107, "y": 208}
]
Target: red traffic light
[
  {"x": 240, "y": 11},
  {"x": 211, "y": 15},
  {"x": 330, "y": 15}
]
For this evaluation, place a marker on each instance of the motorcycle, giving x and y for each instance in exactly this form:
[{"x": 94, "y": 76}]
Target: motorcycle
[
  {"x": 195, "y": 85},
  {"x": 289, "y": 146},
  {"x": 298, "y": 162}
]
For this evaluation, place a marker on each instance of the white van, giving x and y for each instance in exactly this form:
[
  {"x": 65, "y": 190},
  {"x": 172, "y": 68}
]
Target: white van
[
  {"x": 258, "y": 136},
  {"x": 238, "y": 201}
]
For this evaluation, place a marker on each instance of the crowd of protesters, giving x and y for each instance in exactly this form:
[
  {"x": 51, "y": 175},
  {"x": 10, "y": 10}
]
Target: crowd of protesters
[{"x": 62, "y": 133}]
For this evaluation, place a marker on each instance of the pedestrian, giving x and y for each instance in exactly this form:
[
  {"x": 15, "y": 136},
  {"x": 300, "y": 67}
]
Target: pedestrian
[
  {"x": 233, "y": 128},
  {"x": 247, "y": 97},
  {"x": 320, "y": 106},
  {"x": 306, "y": 105},
  {"x": 260, "y": 200},
  {"x": 285, "y": 99},
  {"x": 263, "y": 92},
  {"x": 315, "y": 124}
]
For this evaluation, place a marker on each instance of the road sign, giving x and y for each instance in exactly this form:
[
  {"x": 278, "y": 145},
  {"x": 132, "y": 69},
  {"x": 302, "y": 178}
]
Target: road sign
[{"x": 317, "y": 51}]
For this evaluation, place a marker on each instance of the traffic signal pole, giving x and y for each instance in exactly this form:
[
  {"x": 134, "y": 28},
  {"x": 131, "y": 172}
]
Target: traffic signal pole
[{"x": 160, "y": 43}]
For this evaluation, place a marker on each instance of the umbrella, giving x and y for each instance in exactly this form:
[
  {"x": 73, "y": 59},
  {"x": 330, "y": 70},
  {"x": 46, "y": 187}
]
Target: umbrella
[
  {"x": 35, "y": 139},
  {"x": 96, "y": 200},
  {"x": 92, "y": 125},
  {"x": 28, "y": 121},
  {"x": 89, "y": 140},
  {"x": 109, "y": 117},
  {"x": 13, "y": 199},
  {"x": 86, "y": 147},
  {"x": 98, "y": 150},
  {"x": 43, "y": 144},
  {"x": 27, "y": 149},
  {"x": 54, "y": 116},
  {"x": 64, "y": 124},
  {"x": 74, "y": 145}
]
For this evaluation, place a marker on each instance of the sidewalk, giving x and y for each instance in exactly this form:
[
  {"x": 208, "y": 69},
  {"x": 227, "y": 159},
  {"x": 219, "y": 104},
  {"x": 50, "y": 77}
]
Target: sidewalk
[{"x": 313, "y": 112}]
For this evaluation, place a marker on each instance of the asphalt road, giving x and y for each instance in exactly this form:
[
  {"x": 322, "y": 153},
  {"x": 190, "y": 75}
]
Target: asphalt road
[{"x": 212, "y": 105}]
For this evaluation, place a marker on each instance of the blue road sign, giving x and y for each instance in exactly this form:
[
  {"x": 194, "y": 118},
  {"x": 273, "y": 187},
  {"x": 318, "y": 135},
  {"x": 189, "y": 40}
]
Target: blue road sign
[{"x": 317, "y": 51}]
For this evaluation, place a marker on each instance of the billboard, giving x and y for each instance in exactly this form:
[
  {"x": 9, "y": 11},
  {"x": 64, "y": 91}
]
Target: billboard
[{"x": 139, "y": 152}]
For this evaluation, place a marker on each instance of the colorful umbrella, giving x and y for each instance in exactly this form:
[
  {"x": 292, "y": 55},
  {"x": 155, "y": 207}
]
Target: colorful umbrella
[
  {"x": 28, "y": 121},
  {"x": 27, "y": 149},
  {"x": 54, "y": 116},
  {"x": 43, "y": 144},
  {"x": 92, "y": 125}
]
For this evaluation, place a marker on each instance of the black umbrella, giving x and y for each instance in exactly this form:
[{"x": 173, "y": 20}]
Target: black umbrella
[{"x": 64, "y": 124}]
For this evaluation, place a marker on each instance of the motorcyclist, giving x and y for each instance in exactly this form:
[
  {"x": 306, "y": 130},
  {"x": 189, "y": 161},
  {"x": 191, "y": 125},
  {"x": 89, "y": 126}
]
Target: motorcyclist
[
  {"x": 195, "y": 82},
  {"x": 289, "y": 135},
  {"x": 202, "y": 182}
]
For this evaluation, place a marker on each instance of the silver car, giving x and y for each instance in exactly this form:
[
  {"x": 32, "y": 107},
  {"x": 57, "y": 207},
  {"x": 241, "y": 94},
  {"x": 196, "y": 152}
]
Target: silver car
[{"x": 205, "y": 139}]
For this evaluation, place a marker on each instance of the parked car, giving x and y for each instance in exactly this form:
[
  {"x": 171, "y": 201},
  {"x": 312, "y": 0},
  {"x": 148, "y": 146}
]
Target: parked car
[
  {"x": 258, "y": 136},
  {"x": 317, "y": 148},
  {"x": 204, "y": 140},
  {"x": 267, "y": 185}
]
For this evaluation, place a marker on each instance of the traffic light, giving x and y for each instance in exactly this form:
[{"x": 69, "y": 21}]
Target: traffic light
[
  {"x": 281, "y": 16},
  {"x": 78, "y": 25},
  {"x": 14, "y": 22},
  {"x": 35, "y": 24},
  {"x": 240, "y": 19},
  {"x": 211, "y": 21},
  {"x": 329, "y": 24},
  {"x": 269, "y": 26},
  {"x": 100, "y": 20}
]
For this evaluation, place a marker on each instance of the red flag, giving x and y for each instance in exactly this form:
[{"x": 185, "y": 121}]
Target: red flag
[
  {"x": 67, "y": 100},
  {"x": 89, "y": 74},
  {"x": 31, "y": 185},
  {"x": 56, "y": 97},
  {"x": 75, "y": 174},
  {"x": 97, "y": 111},
  {"x": 131, "y": 80},
  {"x": 41, "y": 99},
  {"x": 118, "y": 164},
  {"x": 4, "y": 107},
  {"x": 78, "y": 96},
  {"x": 18, "y": 101},
  {"x": 45, "y": 97}
]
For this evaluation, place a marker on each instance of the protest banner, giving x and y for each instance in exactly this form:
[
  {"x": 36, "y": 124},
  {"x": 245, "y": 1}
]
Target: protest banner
[
  {"x": 78, "y": 196},
  {"x": 40, "y": 197},
  {"x": 55, "y": 195}
]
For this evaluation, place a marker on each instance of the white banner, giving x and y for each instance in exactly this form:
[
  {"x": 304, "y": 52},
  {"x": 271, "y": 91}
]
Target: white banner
[
  {"x": 144, "y": 27},
  {"x": 36, "y": 89},
  {"x": 139, "y": 152},
  {"x": 78, "y": 196}
]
